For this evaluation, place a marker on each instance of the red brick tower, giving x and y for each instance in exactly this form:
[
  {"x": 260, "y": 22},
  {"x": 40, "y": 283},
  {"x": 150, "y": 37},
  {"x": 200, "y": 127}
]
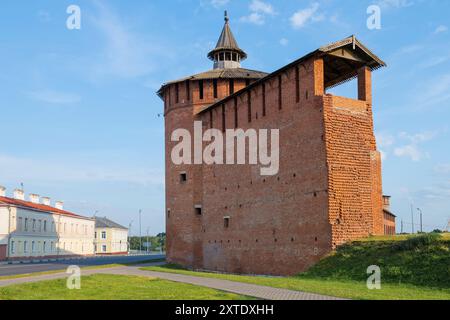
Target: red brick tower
[
  {"x": 328, "y": 189},
  {"x": 183, "y": 100}
]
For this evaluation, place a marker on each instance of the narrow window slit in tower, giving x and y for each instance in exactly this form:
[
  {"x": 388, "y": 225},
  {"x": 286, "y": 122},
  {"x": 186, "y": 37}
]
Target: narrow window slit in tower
[
  {"x": 177, "y": 93},
  {"x": 215, "y": 88},
  {"x": 231, "y": 86},
  {"x": 200, "y": 89},
  {"x": 226, "y": 222},
  {"x": 183, "y": 177}
]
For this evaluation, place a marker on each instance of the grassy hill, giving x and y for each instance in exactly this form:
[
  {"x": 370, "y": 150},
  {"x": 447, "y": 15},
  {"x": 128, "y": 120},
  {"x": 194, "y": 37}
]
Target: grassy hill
[
  {"x": 412, "y": 267},
  {"x": 422, "y": 260}
]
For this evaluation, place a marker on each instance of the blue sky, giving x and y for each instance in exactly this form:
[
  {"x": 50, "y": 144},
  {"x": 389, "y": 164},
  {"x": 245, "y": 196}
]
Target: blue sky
[{"x": 79, "y": 114}]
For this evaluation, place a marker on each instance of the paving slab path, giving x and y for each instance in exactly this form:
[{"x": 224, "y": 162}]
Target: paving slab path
[{"x": 251, "y": 290}]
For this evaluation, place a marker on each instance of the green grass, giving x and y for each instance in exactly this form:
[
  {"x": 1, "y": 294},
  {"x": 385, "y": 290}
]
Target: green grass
[
  {"x": 412, "y": 268},
  {"x": 114, "y": 287}
]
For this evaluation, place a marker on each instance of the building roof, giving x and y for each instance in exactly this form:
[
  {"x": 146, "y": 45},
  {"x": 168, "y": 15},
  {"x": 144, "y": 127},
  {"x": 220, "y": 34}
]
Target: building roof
[
  {"x": 232, "y": 73},
  {"x": 106, "y": 223},
  {"x": 36, "y": 207},
  {"x": 389, "y": 212},
  {"x": 342, "y": 60},
  {"x": 227, "y": 42}
]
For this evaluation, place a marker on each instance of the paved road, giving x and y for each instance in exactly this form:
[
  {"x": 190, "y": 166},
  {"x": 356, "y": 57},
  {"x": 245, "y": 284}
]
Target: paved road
[
  {"x": 15, "y": 269},
  {"x": 260, "y": 292}
]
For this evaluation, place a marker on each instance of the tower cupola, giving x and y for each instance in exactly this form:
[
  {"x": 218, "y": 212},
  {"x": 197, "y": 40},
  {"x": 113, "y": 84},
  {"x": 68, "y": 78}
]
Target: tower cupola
[{"x": 227, "y": 54}]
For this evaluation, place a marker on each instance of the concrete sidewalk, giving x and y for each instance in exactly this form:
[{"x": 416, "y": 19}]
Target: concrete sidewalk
[{"x": 251, "y": 290}]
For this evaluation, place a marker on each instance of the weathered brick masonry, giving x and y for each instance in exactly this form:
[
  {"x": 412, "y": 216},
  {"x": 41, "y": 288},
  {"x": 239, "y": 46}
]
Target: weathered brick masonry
[{"x": 328, "y": 189}]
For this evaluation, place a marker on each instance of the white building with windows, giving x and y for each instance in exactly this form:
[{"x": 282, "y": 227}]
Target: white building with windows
[
  {"x": 110, "y": 237},
  {"x": 33, "y": 228}
]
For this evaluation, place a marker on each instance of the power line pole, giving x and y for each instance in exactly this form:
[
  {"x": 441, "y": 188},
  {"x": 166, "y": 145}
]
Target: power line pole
[
  {"x": 140, "y": 231},
  {"x": 412, "y": 219},
  {"x": 401, "y": 224},
  {"x": 420, "y": 211}
]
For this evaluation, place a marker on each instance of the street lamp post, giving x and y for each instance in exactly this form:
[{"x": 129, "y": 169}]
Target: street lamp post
[
  {"x": 420, "y": 212},
  {"x": 140, "y": 232}
]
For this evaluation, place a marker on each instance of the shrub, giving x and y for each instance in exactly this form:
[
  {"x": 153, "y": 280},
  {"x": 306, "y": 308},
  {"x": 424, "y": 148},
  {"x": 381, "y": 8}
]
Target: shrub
[{"x": 419, "y": 241}]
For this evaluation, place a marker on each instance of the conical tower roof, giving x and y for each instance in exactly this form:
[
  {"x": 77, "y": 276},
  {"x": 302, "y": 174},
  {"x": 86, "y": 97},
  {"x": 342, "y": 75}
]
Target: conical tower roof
[{"x": 227, "y": 42}]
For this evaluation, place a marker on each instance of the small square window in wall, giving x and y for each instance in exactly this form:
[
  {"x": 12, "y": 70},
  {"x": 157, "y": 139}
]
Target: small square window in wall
[
  {"x": 183, "y": 177},
  {"x": 226, "y": 222},
  {"x": 198, "y": 210}
]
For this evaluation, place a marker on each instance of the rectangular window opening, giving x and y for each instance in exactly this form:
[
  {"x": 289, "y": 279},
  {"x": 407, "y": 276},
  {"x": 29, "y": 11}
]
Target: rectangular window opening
[
  {"x": 231, "y": 86},
  {"x": 216, "y": 95},
  {"x": 226, "y": 222},
  {"x": 183, "y": 177},
  {"x": 198, "y": 210},
  {"x": 200, "y": 89}
]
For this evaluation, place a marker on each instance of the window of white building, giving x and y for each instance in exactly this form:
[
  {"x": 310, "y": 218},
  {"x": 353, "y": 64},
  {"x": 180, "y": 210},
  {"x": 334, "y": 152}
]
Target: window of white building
[
  {"x": 33, "y": 248},
  {"x": 12, "y": 247},
  {"x": 103, "y": 234},
  {"x": 25, "y": 245},
  {"x": 104, "y": 248}
]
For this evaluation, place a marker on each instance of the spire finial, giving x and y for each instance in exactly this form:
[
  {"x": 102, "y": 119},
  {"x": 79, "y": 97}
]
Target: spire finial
[{"x": 226, "y": 16}]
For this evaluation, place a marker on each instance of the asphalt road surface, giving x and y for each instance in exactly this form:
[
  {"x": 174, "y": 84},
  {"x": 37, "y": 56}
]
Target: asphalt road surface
[{"x": 15, "y": 269}]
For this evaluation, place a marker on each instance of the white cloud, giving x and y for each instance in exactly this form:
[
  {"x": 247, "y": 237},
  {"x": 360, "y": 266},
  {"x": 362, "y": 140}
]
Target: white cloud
[
  {"x": 385, "y": 140},
  {"x": 441, "y": 29},
  {"x": 54, "y": 97},
  {"x": 126, "y": 53},
  {"x": 254, "y": 18},
  {"x": 442, "y": 168},
  {"x": 395, "y": 3},
  {"x": 258, "y": 12},
  {"x": 418, "y": 137},
  {"x": 262, "y": 7},
  {"x": 303, "y": 16},
  {"x": 55, "y": 170},
  {"x": 284, "y": 41},
  {"x": 219, "y": 3},
  {"x": 410, "y": 151}
]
